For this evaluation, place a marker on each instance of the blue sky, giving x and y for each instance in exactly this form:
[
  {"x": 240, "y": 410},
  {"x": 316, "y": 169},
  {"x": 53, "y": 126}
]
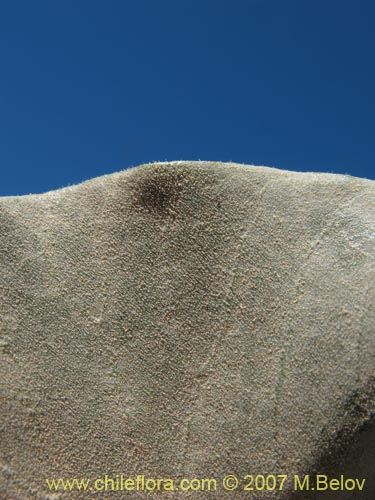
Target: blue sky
[{"x": 91, "y": 87}]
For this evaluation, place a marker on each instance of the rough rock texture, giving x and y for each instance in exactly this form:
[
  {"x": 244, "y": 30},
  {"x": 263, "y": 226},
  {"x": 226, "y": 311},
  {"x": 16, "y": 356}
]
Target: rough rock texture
[{"x": 188, "y": 319}]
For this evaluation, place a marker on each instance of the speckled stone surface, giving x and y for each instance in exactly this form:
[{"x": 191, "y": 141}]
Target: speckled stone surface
[{"x": 188, "y": 319}]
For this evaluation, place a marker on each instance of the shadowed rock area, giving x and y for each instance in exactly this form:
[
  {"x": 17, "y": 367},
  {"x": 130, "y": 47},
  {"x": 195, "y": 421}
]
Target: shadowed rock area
[{"x": 188, "y": 319}]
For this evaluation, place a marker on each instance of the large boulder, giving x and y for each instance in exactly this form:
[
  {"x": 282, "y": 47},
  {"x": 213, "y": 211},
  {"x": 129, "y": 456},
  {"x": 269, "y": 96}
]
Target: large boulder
[{"x": 188, "y": 320}]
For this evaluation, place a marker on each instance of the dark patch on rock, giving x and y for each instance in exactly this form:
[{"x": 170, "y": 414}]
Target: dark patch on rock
[
  {"x": 349, "y": 450},
  {"x": 356, "y": 415},
  {"x": 158, "y": 191}
]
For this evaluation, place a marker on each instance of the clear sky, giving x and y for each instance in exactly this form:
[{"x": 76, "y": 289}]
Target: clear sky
[{"x": 91, "y": 87}]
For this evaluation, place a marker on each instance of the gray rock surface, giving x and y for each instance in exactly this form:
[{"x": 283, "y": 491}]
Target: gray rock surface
[{"x": 188, "y": 319}]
